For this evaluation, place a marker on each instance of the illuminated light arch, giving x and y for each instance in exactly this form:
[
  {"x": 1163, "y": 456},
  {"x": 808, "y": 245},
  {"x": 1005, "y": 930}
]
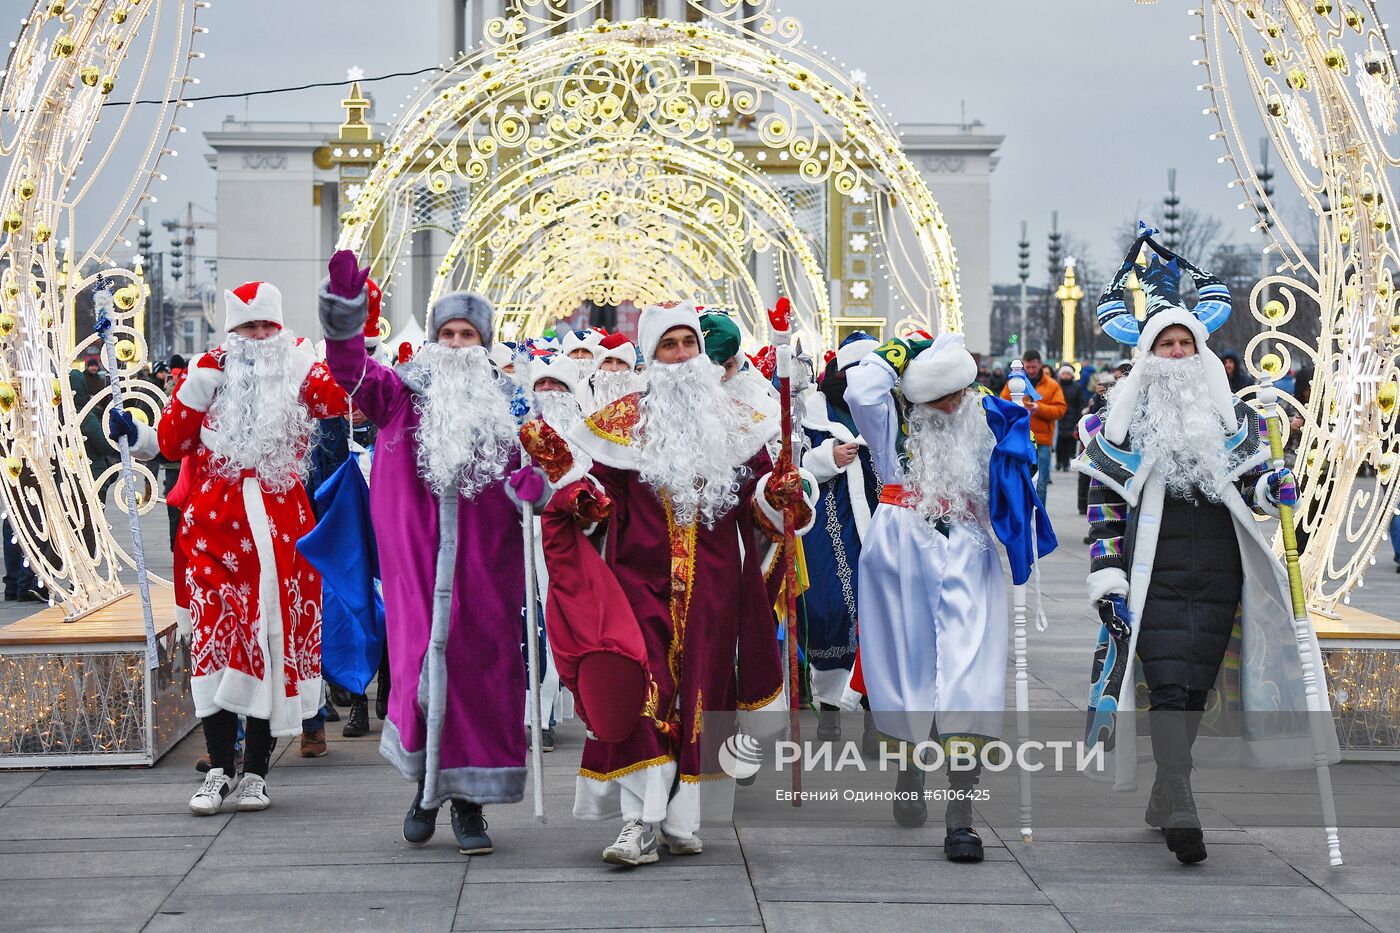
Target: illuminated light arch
[
  {"x": 538, "y": 93},
  {"x": 66, "y": 201}
]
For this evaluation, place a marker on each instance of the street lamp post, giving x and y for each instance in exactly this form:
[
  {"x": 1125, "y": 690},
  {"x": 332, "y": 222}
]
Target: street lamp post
[
  {"x": 1069, "y": 294},
  {"x": 1024, "y": 257}
]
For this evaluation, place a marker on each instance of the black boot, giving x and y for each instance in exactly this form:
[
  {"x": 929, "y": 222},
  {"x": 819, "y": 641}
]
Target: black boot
[
  {"x": 1182, "y": 826},
  {"x": 381, "y": 695},
  {"x": 357, "y": 723},
  {"x": 910, "y": 813},
  {"x": 960, "y": 841},
  {"x": 829, "y": 723},
  {"x": 340, "y": 696},
  {"x": 870, "y": 737},
  {"x": 469, "y": 825},
  {"x": 1156, "y": 815},
  {"x": 420, "y": 824}
]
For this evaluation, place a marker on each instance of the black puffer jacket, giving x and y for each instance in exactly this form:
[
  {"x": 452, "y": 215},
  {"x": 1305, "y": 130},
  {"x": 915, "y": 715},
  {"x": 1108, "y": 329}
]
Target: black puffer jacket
[{"x": 1194, "y": 594}]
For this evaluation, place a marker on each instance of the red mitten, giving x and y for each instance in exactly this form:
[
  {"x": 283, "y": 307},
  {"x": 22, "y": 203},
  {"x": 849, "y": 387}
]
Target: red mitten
[{"x": 549, "y": 450}]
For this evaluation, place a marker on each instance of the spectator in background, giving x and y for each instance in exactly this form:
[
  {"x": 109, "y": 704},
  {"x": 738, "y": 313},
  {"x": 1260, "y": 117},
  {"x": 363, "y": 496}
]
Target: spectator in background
[
  {"x": 1235, "y": 371},
  {"x": 1044, "y": 414},
  {"x": 1068, "y": 426},
  {"x": 997, "y": 382}
]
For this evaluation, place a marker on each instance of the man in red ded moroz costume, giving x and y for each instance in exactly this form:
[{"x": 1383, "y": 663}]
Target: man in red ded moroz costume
[
  {"x": 681, "y": 497},
  {"x": 241, "y": 419}
]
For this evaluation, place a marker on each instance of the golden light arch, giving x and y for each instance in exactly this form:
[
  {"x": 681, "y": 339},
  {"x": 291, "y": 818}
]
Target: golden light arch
[{"x": 541, "y": 94}]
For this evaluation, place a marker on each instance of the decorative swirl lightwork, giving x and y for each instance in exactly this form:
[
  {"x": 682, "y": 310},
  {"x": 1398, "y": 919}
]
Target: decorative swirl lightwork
[
  {"x": 69, "y": 193},
  {"x": 583, "y": 159},
  {"x": 1322, "y": 78}
]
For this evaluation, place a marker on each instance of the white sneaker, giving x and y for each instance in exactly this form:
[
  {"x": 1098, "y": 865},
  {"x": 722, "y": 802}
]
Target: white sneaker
[
  {"x": 636, "y": 845},
  {"x": 691, "y": 846},
  {"x": 209, "y": 799},
  {"x": 252, "y": 793}
]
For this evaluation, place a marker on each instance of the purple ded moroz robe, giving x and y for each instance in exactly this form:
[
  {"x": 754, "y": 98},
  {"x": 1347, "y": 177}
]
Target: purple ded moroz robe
[{"x": 457, "y": 706}]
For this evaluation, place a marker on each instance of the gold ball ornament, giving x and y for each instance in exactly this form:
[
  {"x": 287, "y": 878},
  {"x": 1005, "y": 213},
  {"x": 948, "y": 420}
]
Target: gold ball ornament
[
  {"x": 1395, "y": 325},
  {"x": 57, "y": 392},
  {"x": 42, "y": 232},
  {"x": 127, "y": 351},
  {"x": 139, "y": 415},
  {"x": 90, "y": 75},
  {"x": 14, "y": 466},
  {"x": 8, "y": 323},
  {"x": 108, "y": 83},
  {"x": 126, "y": 297},
  {"x": 1272, "y": 364},
  {"x": 14, "y": 221},
  {"x": 1385, "y": 398},
  {"x": 25, "y": 188},
  {"x": 1298, "y": 79},
  {"x": 1274, "y": 310},
  {"x": 64, "y": 46},
  {"x": 119, "y": 15},
  {"x": 7, "y": 396},
  {"x": 57, "y": 7},
  {"x": 1385, "y": 467}
]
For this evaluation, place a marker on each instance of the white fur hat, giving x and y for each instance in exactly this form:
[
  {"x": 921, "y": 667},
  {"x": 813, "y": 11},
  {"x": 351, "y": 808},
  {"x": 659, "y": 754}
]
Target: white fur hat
[
  {"x": 252, "y": 301},
  {"x": 556, "y": 366},
  {"x": 657, "y": 319},
  {"x": 581, "y": 340},
  {"x": 501, "y": 354},
  {"x": 853, "y": 351},
  {"x": 940, "y": 370}
]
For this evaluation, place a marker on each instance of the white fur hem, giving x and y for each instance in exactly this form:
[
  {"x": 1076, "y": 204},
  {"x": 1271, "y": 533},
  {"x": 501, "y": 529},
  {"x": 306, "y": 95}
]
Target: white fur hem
[
  {"x": 821, "y": 460},
  {"x": 1110, "y": 581},
  {"x": 147, "y": 446}
]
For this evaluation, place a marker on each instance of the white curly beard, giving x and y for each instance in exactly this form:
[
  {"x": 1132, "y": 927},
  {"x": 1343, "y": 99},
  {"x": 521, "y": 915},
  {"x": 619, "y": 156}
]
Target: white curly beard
[
  {"x": 749, "y": 387},
  {"x": 465, "y": 430},
  {"x": 560, "y": 410},
  {"x": 948, "y": 461},
  {"x": 1176, "y": 426},
  {"x": 258, "y": 413},
  {"x": 609, "y": 385},
  {"x": 688, "y": 433}
]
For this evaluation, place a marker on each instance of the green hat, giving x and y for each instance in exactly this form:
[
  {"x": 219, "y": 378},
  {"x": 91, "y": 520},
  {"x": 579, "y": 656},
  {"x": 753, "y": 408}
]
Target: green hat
[{"x": 721, "y": 336}]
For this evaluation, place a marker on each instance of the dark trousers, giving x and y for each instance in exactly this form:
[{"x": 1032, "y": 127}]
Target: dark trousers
[
  {"x": 221, "y": 735},
  {"x": 19, "y": 579},
  {"x": 1065, "y": 448},
  {"x": 1175, "y": 718}
]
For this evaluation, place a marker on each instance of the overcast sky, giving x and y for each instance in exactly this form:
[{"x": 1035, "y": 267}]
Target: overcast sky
[{"x": 1096, "y": 98}]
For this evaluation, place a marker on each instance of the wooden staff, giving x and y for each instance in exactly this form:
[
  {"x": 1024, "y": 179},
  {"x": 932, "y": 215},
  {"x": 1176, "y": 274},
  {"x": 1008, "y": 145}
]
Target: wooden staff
[{"x": 781, "y": 319}]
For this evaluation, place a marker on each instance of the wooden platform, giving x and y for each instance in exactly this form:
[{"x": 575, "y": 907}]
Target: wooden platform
[
  {"x": 1356, "y": 625},
  {"x": 119, "y": 622},
  {"x": 82, "y": 693}
]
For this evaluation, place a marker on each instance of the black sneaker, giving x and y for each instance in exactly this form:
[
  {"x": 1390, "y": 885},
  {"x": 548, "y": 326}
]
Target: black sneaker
[
  {"x": 420, "y": 824},
  {"x": 357, "y": 722},
  {"x": 469, "y": 825}
]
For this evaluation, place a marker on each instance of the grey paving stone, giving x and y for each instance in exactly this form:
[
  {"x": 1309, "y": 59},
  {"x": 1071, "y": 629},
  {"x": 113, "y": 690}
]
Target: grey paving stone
[
  {"x": 411, "y": 881},
  {"x": 1179, "y": 895},
  {"x": 87, "y": 864},
  {"x": 305, "y": 913},
  {"x": 603, "y": 904},
  {"x": 785, "y": 916},
  {"x": 120, "y": 903},
  {"x": 54, "y": 823},
  {"x": 897, "y": 874},
  {"x": 1190, "y": 921},
  {"x": 1067, "y": 862},
  {"x": 115, "y": 846}
]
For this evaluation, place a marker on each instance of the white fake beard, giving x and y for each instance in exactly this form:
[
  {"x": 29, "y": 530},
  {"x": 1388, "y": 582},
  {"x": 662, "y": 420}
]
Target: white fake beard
[
  {"x": 1177, "y": 426},
  {"x": 948, "y": 460},
  {"x": 687, "y": 434},
  {"x": 609, "y": 385},
  {"x": 560, "y": 410},
  {"x": 586, "y": 365},
  {"x": 258, "y": 413},
  {"x": 465, "y": 430},
  {"x": 749, "y": 387}
]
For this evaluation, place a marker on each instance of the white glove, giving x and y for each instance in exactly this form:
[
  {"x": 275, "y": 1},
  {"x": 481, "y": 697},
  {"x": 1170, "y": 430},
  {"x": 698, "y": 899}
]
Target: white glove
[{"x": 201, "y": 382}]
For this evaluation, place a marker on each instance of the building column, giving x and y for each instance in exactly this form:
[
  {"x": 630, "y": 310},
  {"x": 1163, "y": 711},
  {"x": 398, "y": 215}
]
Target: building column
[
  {"x": 452, "y": 28},
  {"x": 624, "y": 10},
  {"x": 575, "y": 6},
  {"x": 672, "y": 9}
]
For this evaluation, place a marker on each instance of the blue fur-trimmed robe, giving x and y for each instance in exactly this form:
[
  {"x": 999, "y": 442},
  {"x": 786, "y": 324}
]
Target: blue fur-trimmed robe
[{"x": 832, "y": 549}]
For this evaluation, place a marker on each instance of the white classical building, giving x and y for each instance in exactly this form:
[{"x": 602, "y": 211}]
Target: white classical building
[{"x": 281, "y": 192}]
